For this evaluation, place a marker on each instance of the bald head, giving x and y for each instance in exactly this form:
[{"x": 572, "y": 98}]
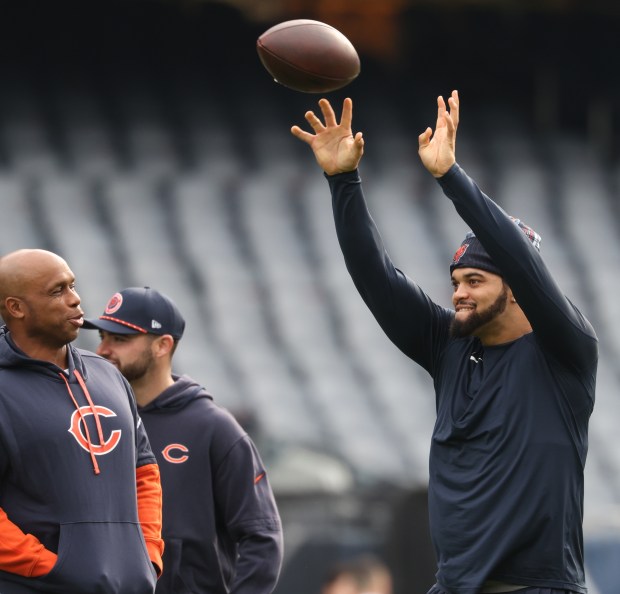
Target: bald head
[
  {"x": 24, "y": 271},
  {"x": 39, "y": 304}
]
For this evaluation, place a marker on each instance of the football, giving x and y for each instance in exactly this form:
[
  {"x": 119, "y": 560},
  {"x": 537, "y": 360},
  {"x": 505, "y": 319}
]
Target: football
[{"x": 308, "y": 56}]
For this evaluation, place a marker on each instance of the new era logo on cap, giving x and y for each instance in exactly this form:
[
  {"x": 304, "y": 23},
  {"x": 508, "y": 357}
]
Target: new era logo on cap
[{"x": 139, "y": 310}]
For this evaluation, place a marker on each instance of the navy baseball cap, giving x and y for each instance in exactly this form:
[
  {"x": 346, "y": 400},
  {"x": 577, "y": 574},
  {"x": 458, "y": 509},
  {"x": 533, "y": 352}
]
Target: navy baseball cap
[{"x": 139, "y": 310}]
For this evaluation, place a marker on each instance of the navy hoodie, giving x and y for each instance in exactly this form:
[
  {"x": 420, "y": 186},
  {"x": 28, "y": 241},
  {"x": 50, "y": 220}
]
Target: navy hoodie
[
  {"x": 220, "y": 521},
  {"x": 65, "y": 482}
]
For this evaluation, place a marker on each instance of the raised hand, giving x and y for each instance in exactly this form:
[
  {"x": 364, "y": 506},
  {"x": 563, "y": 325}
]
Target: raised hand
[
  {"x": 335, "y": 148},
  {"x": 437, "y": 150}
]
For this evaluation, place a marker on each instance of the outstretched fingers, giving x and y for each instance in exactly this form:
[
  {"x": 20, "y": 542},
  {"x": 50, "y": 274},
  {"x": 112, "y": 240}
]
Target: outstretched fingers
[
  {"x": 450, "y": 125},
  {"x": 454, "y": 104},
  {"x": 358, "y": 141},
  {"x": 346, "y": 119},
  {"x": 315, "y": 124},
  {"x": 425, "y": 138},
  {"x": 441, "y": 111},
  {"x": 314, "y": 121},
  {"x": 302, "y": 134},
  {"x": 328, "y": 113}
]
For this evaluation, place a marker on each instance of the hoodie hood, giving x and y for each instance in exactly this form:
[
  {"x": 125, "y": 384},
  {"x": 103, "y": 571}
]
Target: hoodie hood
[
  {"x": 12, "y": 356},
  {"x": 178, "y": 396}
]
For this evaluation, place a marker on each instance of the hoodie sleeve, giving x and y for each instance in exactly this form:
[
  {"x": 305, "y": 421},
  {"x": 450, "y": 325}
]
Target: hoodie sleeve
[
  {"x": 21, "y": 553},
  {"x": 149, "y": 493},
  {"x": 246, "y": 502},
  {"x": 149, "y": 512},
  {"x": 406, "y": 314},
  {"x": 557, "y": 323}
]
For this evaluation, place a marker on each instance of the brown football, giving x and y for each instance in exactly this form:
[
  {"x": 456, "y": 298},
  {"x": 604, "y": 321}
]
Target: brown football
[{"x": 308, "y": 56}]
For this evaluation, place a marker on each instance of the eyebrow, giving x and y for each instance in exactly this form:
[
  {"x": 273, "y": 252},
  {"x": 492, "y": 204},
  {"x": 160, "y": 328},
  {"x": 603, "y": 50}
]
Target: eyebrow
[
  {"x": 469, "y": 275},
  {"x": 59, "y": 284}
]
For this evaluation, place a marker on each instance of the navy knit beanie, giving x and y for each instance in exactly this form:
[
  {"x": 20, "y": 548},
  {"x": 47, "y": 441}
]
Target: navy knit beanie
[{"x": 471, "y": 254}]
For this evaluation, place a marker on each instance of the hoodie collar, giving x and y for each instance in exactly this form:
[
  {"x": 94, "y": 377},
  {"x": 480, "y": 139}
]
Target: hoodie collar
[
  {"x": 178, "y": 395},
  {"x": 12, "y": 356}
]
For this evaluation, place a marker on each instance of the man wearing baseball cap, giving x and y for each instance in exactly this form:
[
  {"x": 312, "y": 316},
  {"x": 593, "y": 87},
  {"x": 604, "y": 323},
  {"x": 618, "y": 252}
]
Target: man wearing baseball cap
[
  {"x": 221, "y": 525},
  {"x": 140, "y": 310}
]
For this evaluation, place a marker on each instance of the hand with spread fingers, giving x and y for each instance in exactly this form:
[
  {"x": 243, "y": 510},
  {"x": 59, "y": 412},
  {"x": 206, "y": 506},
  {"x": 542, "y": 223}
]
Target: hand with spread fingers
[
  {"x": 335, "y": 147},
  {"x": 437, "y": 149}
]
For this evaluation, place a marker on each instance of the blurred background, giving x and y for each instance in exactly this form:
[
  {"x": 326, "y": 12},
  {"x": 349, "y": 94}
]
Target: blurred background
[{"x": 144, "y": 142}]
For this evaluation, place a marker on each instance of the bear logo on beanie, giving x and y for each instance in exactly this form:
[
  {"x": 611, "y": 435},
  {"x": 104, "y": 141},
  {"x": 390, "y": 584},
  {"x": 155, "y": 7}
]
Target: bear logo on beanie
[{"x": 459, "y": 253}]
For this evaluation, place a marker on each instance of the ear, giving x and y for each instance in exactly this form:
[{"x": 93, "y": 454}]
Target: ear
[
  {"x": 163, "y": 345},
  {"x": 15, "y": 307}
]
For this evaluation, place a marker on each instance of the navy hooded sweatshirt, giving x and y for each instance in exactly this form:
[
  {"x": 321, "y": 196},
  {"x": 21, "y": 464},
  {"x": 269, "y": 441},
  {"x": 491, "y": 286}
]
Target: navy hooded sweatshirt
[
  {"x": 510, "y": 440},
  {"x": 220, "y": 521},
  {"x": 68, "y": 484}
]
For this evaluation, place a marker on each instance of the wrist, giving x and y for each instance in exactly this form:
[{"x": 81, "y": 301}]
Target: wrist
[
  {"x": 354, "y": 173},
  {"x": 443, "y": 171}
]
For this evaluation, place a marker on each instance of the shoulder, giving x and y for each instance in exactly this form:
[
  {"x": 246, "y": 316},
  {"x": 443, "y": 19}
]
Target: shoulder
[
  {"x": 225, "y": 422},
  {"x": 91, "y": 358},
  {"x": 202, "y": 410}
]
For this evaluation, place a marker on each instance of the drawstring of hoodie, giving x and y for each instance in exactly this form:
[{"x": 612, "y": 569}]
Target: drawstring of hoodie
[{"x": 79, "y": 410}]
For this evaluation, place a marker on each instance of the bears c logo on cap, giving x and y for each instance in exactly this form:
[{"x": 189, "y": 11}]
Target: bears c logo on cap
[
  {"x": 114, "y": 304},
  {"x": 459, "y": 253}
]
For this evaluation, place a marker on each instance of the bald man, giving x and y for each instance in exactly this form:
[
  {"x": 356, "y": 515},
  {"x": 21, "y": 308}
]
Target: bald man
[{"x": 80, "y": 495}]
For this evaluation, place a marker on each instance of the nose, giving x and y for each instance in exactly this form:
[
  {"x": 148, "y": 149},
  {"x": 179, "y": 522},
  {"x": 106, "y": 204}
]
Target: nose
[
  {"x": 102, "y": 349},
  {"x": 460, "y": 292},
  {"x": 75, "y": 297}
]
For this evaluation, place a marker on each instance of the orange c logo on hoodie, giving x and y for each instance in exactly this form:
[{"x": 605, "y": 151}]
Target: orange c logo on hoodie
[
  {"x": 167, "y": 453},
  {"x": 76, "y": 430}
]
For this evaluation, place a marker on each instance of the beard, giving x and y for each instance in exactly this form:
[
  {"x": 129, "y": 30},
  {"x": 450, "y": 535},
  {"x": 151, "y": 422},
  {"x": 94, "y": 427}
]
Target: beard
[
  {"x": 139, "y": 368},
  {"x": 477, "y": 319}
]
